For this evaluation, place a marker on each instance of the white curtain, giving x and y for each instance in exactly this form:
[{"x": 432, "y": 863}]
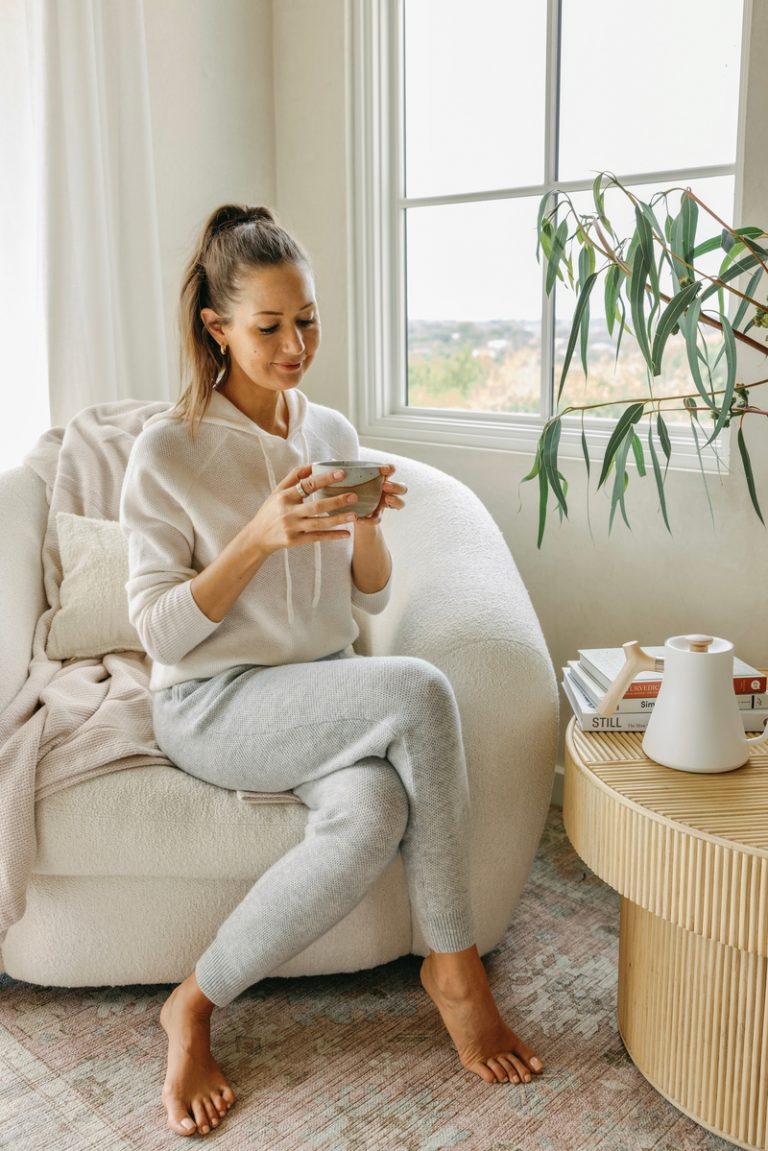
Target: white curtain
[
  {"x": 24, "y": 381},
  {"x": 102, "y": 298}
]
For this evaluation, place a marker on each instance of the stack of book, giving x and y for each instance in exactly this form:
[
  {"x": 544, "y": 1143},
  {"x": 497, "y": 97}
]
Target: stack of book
[{"x": 585, "y": 681}]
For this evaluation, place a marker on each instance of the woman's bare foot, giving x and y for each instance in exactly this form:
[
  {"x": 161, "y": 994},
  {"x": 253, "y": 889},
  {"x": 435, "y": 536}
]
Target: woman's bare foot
[
  {"x": 196, "y": 1095},
  {"x": 458, "y": 986}
]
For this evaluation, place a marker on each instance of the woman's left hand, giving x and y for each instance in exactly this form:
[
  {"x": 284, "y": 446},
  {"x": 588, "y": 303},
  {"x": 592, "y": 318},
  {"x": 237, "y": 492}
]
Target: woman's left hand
[{"x": 391, "y": 497}]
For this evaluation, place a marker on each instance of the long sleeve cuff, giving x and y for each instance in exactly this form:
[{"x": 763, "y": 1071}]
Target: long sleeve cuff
[{"x": 372, "y": 602}]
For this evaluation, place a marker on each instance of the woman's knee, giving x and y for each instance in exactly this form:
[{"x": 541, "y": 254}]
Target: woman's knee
[
  {"x": 427, "y": 689},
  {"x": 365, "y": 803}
]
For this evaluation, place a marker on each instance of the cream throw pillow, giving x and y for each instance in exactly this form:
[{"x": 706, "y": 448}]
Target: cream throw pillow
[{"x": 93, "y": 616}]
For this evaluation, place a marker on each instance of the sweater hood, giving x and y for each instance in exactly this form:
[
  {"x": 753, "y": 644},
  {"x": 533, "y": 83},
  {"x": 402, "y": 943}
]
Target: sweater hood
[{"x": 222, "y": 412}]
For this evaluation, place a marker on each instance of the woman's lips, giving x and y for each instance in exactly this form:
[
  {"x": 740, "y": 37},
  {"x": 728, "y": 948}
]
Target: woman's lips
[{"x": 290, "y": 367}]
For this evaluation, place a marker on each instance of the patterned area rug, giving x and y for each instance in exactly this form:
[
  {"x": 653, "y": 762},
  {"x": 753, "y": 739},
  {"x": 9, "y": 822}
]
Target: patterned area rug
[{"x": 358, "y": 1063}]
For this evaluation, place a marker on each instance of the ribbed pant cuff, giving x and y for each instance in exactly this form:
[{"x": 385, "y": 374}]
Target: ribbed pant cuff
[
  {"x": 453, "y": 931},
  {"x": 216, "y": 977}
]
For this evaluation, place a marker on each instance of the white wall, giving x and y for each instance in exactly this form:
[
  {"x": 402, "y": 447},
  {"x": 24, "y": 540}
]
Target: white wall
[
  {"x": 249, "y": 102},
  {"x": 212, "y": 109},
  {"x": 588, "y": 589}
]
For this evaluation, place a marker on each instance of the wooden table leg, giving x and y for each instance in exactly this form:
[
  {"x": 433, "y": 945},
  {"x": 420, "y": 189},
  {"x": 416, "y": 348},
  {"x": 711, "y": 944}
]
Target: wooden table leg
[{"x": 693, "y": 1015}]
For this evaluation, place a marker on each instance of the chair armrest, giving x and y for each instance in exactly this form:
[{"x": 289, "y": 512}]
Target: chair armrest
[{"x": 459, "y": 602}]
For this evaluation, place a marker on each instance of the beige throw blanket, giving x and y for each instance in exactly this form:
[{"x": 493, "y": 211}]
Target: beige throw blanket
[{"x": 84, "y": 717}]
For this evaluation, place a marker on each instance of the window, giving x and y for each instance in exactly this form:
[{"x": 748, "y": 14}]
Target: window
[{"x": 464, "y": 115}]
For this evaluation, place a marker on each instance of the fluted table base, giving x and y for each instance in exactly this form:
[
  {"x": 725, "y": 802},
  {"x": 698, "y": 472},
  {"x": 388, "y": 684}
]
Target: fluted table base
[
  {"x": 689, "y": 856},
  {"x": 693, "y": 1015}
]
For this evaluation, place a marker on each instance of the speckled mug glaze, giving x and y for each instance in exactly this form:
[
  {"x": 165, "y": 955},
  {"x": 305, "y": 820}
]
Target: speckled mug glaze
[{"x": 361, "y": 477}]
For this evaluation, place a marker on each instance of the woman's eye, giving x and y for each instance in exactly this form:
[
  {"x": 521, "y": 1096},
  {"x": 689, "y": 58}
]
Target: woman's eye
[
  {"x": 269, "y": 331},
  {"x": 307, "y": 323}
]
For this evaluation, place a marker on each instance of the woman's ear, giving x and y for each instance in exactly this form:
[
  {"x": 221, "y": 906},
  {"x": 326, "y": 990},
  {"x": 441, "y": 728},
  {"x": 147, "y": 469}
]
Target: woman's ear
[{"x": 213, "y": 324}]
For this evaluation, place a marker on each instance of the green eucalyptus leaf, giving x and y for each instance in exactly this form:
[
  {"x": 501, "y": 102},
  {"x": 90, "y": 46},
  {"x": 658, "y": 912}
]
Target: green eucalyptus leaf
[
  {"x": 629, "y": 417},
  {"x": 620, "y": 482},
  {"x": 691, "y": 332},
  {"x": 586, "y": 261},
  {"x": 637, "y": 452},
  {"x": 741, "y": 311},
  {"x": 544, "y": 220},
  {"x": 637, "y": 288},
  {"x": 536, "y": 463},
  {"x": 558, "y": 254},
  {"x": 581, "y": 307},
  {"x": 747, "y": 465},
  {"x": 729, "y": 344},
  {"x": 736, "y": 269},
  {"x": 659, "y": 478},
  {"x": 599, "y": 198},
  {"x": 650, "y": 226},
  {"x": 694, "y": 421},
  {"x": 549, "y": 449},
  {"x": 669, "y": 320},
  {"x": 612, "y": 287},
  {"x": 585, "y": 448},
  {"x": 664, "y": 440},
  {"x": 689, "y": 210},
  {"x": 543, "y": 493}
]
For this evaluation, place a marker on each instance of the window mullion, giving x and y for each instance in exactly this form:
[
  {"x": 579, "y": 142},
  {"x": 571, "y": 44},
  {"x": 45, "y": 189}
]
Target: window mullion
[{"x": 551, "y": 138}]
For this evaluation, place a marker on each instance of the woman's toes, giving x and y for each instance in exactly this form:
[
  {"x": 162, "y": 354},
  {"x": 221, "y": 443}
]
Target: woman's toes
[
  {"x": 201, "y": 1116},
  {"x": 213, "y": 1115},
  {"x": 220, "y": 1103},
  {"x": 179, "y": 1119},
  {"x": 516, "y": 1071},
  {"x": 500, "y": 1072}
]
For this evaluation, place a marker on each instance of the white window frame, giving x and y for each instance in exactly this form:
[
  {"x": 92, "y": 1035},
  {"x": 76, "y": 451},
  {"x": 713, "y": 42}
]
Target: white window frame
[{"x": 377, "y": 273}]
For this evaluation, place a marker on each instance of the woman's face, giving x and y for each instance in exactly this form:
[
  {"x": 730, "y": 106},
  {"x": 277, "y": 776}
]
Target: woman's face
[{"x": 273, "y": 332}]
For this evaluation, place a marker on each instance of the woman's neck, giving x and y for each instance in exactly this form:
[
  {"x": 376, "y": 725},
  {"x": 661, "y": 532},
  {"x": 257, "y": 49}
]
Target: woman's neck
[{"x": 267, "y": 409}]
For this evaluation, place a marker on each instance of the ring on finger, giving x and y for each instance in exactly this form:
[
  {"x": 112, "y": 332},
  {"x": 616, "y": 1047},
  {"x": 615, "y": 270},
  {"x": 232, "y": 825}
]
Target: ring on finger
[{"x": 301, "y": 491}]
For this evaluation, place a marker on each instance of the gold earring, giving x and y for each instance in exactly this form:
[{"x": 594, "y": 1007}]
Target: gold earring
[{"x": 223, "y": 369}]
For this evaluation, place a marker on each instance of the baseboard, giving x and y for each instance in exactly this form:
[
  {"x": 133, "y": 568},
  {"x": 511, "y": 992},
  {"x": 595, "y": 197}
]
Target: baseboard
[{"x": 557, "y": 787}]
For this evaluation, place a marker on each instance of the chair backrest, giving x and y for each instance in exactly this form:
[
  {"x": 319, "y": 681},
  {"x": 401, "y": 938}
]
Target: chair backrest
[{"x": 23, "y": 518}]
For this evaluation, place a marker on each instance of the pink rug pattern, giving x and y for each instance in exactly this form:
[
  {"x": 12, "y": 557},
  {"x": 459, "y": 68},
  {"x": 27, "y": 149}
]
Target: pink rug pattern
[{"x": 358, "y": 1063}]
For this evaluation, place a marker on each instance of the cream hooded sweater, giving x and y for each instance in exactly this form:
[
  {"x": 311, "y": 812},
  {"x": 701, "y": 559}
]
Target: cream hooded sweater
[{"x": 185, "y": 497}]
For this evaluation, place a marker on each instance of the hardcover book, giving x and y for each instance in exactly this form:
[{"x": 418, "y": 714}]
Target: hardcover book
[
  {"x": 753, "y": 719},
  {"x": 595, "y": 691},
  {"x": 605, "y": 663}
]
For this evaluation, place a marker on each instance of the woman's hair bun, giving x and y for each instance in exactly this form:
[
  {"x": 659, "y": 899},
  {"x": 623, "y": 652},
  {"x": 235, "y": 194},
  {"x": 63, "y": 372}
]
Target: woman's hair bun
[{"x": 231, "y": 215}]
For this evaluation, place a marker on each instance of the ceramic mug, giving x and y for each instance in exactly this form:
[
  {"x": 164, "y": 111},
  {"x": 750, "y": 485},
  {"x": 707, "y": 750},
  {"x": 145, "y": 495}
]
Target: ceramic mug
[{"x": 361, "y": 477}]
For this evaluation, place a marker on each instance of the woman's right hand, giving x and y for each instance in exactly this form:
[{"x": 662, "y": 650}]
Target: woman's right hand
[{"x": 288, "y": 519}]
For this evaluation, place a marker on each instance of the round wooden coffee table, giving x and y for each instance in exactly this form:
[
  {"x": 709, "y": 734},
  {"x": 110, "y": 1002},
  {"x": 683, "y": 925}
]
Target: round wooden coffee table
[{"x": 689, "y": 856}]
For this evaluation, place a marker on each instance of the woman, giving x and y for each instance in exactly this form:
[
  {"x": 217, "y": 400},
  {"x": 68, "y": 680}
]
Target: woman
[{"x": 242, "y": 591}]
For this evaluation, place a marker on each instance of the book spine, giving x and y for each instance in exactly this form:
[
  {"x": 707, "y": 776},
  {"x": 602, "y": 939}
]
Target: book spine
[
  {"x": 753, "y": 721},
  {"x": 742, "y": 685}
]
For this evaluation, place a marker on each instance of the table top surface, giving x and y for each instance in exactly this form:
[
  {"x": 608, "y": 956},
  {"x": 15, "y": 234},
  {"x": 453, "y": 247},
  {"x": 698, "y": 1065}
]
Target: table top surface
[{"x": 732, "y": 806}]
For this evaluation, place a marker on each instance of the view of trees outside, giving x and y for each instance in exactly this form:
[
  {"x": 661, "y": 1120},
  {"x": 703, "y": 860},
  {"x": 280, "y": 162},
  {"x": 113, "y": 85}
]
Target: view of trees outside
[
  {"x": 494, "y": 365},
  {"x": 473, "y": 285}
]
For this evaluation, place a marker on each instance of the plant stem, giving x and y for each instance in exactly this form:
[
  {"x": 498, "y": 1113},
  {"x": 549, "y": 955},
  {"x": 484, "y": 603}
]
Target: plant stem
[{"x": 657, "y": 400}]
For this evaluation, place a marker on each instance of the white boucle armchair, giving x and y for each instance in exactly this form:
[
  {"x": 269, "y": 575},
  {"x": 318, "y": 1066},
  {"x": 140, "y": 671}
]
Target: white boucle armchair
[{"x": 136, "y": 869}]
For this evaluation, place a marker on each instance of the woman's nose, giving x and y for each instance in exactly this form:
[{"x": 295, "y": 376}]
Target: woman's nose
[{"x": 294, "y": 341}]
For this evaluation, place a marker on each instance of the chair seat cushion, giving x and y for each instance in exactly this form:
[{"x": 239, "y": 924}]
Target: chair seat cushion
[{"x": 158, "y": 821}]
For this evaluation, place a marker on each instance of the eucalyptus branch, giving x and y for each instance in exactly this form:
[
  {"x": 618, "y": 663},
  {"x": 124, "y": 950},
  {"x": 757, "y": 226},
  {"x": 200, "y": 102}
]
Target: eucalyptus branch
[
  {"x": 654, "y": 400},
  {"x": 726, "y": 227},
  {"x": 663, "y": 239}
]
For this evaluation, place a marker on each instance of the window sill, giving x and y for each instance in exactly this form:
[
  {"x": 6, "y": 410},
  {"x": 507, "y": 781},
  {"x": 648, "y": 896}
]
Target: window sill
[{"x": 519, "y": 433}]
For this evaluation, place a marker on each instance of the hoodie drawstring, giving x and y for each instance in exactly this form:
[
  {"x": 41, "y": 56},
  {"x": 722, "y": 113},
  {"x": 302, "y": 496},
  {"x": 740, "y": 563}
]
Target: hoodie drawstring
[
  {"x": 316, "y": 549},
  {"x": 286, "y": 565}
]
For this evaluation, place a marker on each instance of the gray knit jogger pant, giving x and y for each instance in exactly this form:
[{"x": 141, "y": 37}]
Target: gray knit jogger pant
[{"x": 372, "y": 746}]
